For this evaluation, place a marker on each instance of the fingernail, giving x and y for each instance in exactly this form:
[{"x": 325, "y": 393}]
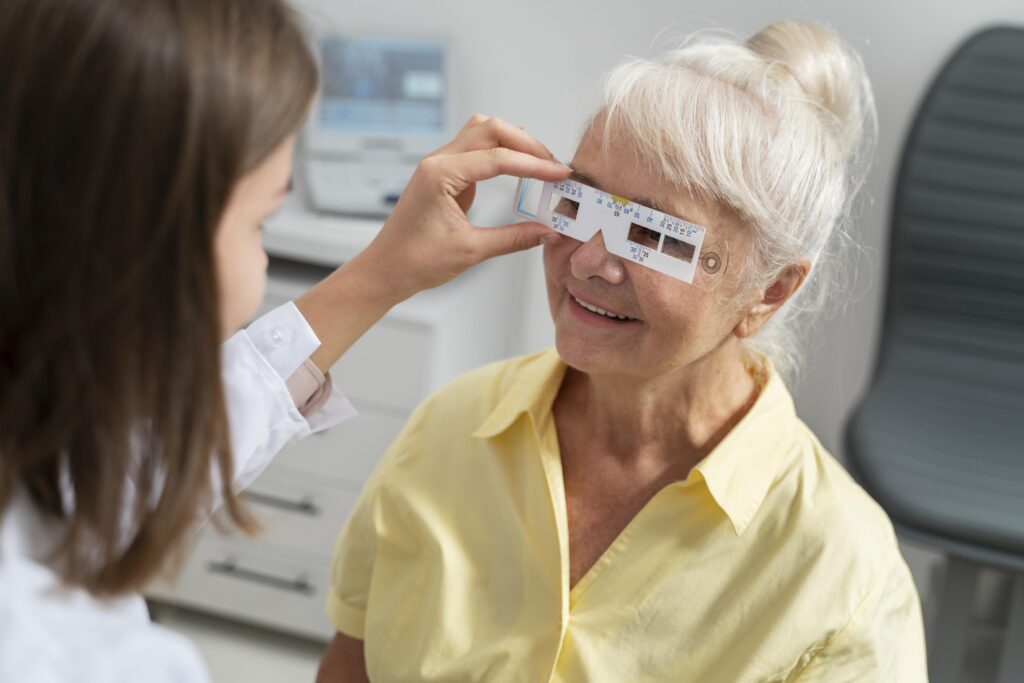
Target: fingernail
[{"x": 549, "y": 240}]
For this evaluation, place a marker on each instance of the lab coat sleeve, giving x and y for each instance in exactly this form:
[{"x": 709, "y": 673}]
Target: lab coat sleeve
[{"x": 255, "y": 364}]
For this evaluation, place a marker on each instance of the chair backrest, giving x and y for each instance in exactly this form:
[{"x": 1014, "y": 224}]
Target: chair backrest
[{"x": 956, "y": 272}]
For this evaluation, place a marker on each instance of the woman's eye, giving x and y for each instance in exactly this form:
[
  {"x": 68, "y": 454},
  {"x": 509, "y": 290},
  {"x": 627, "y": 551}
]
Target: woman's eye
[
  {"x": 567, "y": 207},
  {"x": 644, "y": 236},
  {"x": 678, "y": 249}
]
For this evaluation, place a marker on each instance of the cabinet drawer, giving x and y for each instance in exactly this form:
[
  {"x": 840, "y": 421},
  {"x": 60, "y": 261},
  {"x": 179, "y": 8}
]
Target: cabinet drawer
[
  {"x": 242, "y": 579},
  {"x": 300, "y": 514},
  {"x": 349, "y": 450},
  {"x": 387, "y": 366}
]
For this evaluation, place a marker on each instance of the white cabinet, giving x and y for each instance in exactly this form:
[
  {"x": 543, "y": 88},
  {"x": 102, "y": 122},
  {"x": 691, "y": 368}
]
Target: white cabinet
[{"x": 280, "y": 578}]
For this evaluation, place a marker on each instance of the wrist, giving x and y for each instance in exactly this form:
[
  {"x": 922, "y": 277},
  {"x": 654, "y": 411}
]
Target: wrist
[
  {"x": 381, "y": 275},
  {"x": 376, "y": 278}
]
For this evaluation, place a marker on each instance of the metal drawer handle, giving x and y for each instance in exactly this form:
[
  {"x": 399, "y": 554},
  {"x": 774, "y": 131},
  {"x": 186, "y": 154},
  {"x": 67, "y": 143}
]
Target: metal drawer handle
[
  {"x": 304, "y": 507},
  {"x": 229, "y": 567}
]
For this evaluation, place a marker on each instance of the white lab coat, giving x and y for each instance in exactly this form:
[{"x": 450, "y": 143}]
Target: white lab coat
[{"x": 52, "y": 635}]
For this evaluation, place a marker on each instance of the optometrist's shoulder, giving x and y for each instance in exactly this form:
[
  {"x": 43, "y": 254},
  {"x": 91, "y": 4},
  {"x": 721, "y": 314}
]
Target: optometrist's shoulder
[{"x": 428, "y": 239}]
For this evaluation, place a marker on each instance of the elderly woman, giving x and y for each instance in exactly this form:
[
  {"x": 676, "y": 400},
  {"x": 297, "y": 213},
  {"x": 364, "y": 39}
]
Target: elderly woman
[{"x": 644, "y": 504}]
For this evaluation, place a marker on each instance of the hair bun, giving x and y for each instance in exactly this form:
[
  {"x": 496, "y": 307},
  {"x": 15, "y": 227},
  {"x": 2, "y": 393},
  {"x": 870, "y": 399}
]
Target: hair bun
[{"x": 830, "y": 74}]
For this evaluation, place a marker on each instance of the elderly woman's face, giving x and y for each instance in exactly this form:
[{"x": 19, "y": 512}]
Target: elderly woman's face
[{"x": 672, "y": 324}]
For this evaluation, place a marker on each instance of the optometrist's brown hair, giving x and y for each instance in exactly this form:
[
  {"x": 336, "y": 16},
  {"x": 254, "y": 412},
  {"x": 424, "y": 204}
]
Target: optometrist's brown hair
[{"x": 124, "y": 125}]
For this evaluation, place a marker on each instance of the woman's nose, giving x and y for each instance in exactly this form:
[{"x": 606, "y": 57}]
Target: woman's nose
[{"x": 591, "y": 259}]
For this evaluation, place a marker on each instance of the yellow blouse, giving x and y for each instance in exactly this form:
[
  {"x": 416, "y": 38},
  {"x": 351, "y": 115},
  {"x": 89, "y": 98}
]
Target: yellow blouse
[{"x": 767, "y": 563}]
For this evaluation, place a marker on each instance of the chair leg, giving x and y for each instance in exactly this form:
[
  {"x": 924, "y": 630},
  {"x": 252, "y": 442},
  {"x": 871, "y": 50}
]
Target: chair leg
[
  {"x": 1011, "y": 668},
  {"x": 948, "y": 647}
]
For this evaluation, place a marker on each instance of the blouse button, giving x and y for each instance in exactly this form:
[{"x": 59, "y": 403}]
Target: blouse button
[{"x": 279, "y": 336}]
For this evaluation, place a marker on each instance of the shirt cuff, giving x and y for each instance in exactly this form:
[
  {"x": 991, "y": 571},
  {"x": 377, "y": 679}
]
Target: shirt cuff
[
  {"x": 284, "y": 339},
  {"x": 345, "y": 618}
]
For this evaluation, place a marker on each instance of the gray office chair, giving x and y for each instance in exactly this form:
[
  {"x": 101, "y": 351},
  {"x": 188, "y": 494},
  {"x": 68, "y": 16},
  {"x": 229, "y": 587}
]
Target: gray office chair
[{"x": 939, "y": 439}]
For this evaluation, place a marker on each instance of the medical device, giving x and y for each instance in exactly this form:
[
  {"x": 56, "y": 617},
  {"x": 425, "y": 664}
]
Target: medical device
[
  {"x": 383, "y": 104},
  {"x": 669, "y": 245}
]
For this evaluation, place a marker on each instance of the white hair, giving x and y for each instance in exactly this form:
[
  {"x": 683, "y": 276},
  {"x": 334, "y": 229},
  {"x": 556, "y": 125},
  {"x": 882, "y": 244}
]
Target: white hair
[{"x": 780, "y": 128}]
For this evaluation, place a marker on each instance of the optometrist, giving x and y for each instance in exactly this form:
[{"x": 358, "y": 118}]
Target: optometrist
[{"x": 141, "y": 147}]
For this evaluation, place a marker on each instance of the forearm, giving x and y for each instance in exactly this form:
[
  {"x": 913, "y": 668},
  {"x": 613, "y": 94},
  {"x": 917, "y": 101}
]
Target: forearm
[{"x": 346, "y": 304}]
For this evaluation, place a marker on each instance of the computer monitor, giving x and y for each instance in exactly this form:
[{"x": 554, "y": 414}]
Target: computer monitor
[{"x": 379, "y": 95}]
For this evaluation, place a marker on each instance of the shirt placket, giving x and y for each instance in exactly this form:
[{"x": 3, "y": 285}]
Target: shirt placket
[{"x": 547, "y": 438}]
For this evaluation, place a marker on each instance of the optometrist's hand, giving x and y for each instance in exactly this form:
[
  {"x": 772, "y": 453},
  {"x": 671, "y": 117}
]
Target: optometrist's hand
[{"x": 428, "y": 240}]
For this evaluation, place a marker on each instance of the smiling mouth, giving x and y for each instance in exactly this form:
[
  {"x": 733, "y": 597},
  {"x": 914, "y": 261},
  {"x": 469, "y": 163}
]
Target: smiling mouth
[{"x": 600, "y": 311}]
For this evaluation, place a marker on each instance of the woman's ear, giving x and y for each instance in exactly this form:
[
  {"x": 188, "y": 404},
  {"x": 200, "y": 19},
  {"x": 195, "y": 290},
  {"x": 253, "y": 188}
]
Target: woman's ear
[{"x": 778, "y": 293}]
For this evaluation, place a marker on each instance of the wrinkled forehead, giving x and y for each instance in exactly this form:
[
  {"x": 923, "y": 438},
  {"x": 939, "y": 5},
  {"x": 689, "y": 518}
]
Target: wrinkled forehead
[
  {"x": 616, "y": 163},
  {"x": 696, "y": 134}
]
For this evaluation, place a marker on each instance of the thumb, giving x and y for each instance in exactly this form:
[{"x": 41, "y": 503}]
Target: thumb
[{"x": 508, "y": 239}]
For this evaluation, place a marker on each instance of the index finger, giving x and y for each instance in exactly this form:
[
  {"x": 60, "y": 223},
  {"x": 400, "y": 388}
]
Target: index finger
[
  {"x": 495, "y": 132},
  {"x": 483, "y": 164}
]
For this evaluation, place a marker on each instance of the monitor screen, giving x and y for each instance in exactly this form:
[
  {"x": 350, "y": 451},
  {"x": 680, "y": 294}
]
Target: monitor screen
[{"x": 383, "y": 87}]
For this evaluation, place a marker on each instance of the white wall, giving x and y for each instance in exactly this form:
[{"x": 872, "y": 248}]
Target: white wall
[{"x": 539, "y": 63}]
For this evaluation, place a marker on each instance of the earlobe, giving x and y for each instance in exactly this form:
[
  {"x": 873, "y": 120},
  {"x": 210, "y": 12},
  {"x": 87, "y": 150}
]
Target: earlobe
[{"x": 753, "y": 319}]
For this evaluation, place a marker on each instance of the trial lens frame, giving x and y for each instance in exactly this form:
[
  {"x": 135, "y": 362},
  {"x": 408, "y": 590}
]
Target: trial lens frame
[{"x": 664, "y": 243}]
